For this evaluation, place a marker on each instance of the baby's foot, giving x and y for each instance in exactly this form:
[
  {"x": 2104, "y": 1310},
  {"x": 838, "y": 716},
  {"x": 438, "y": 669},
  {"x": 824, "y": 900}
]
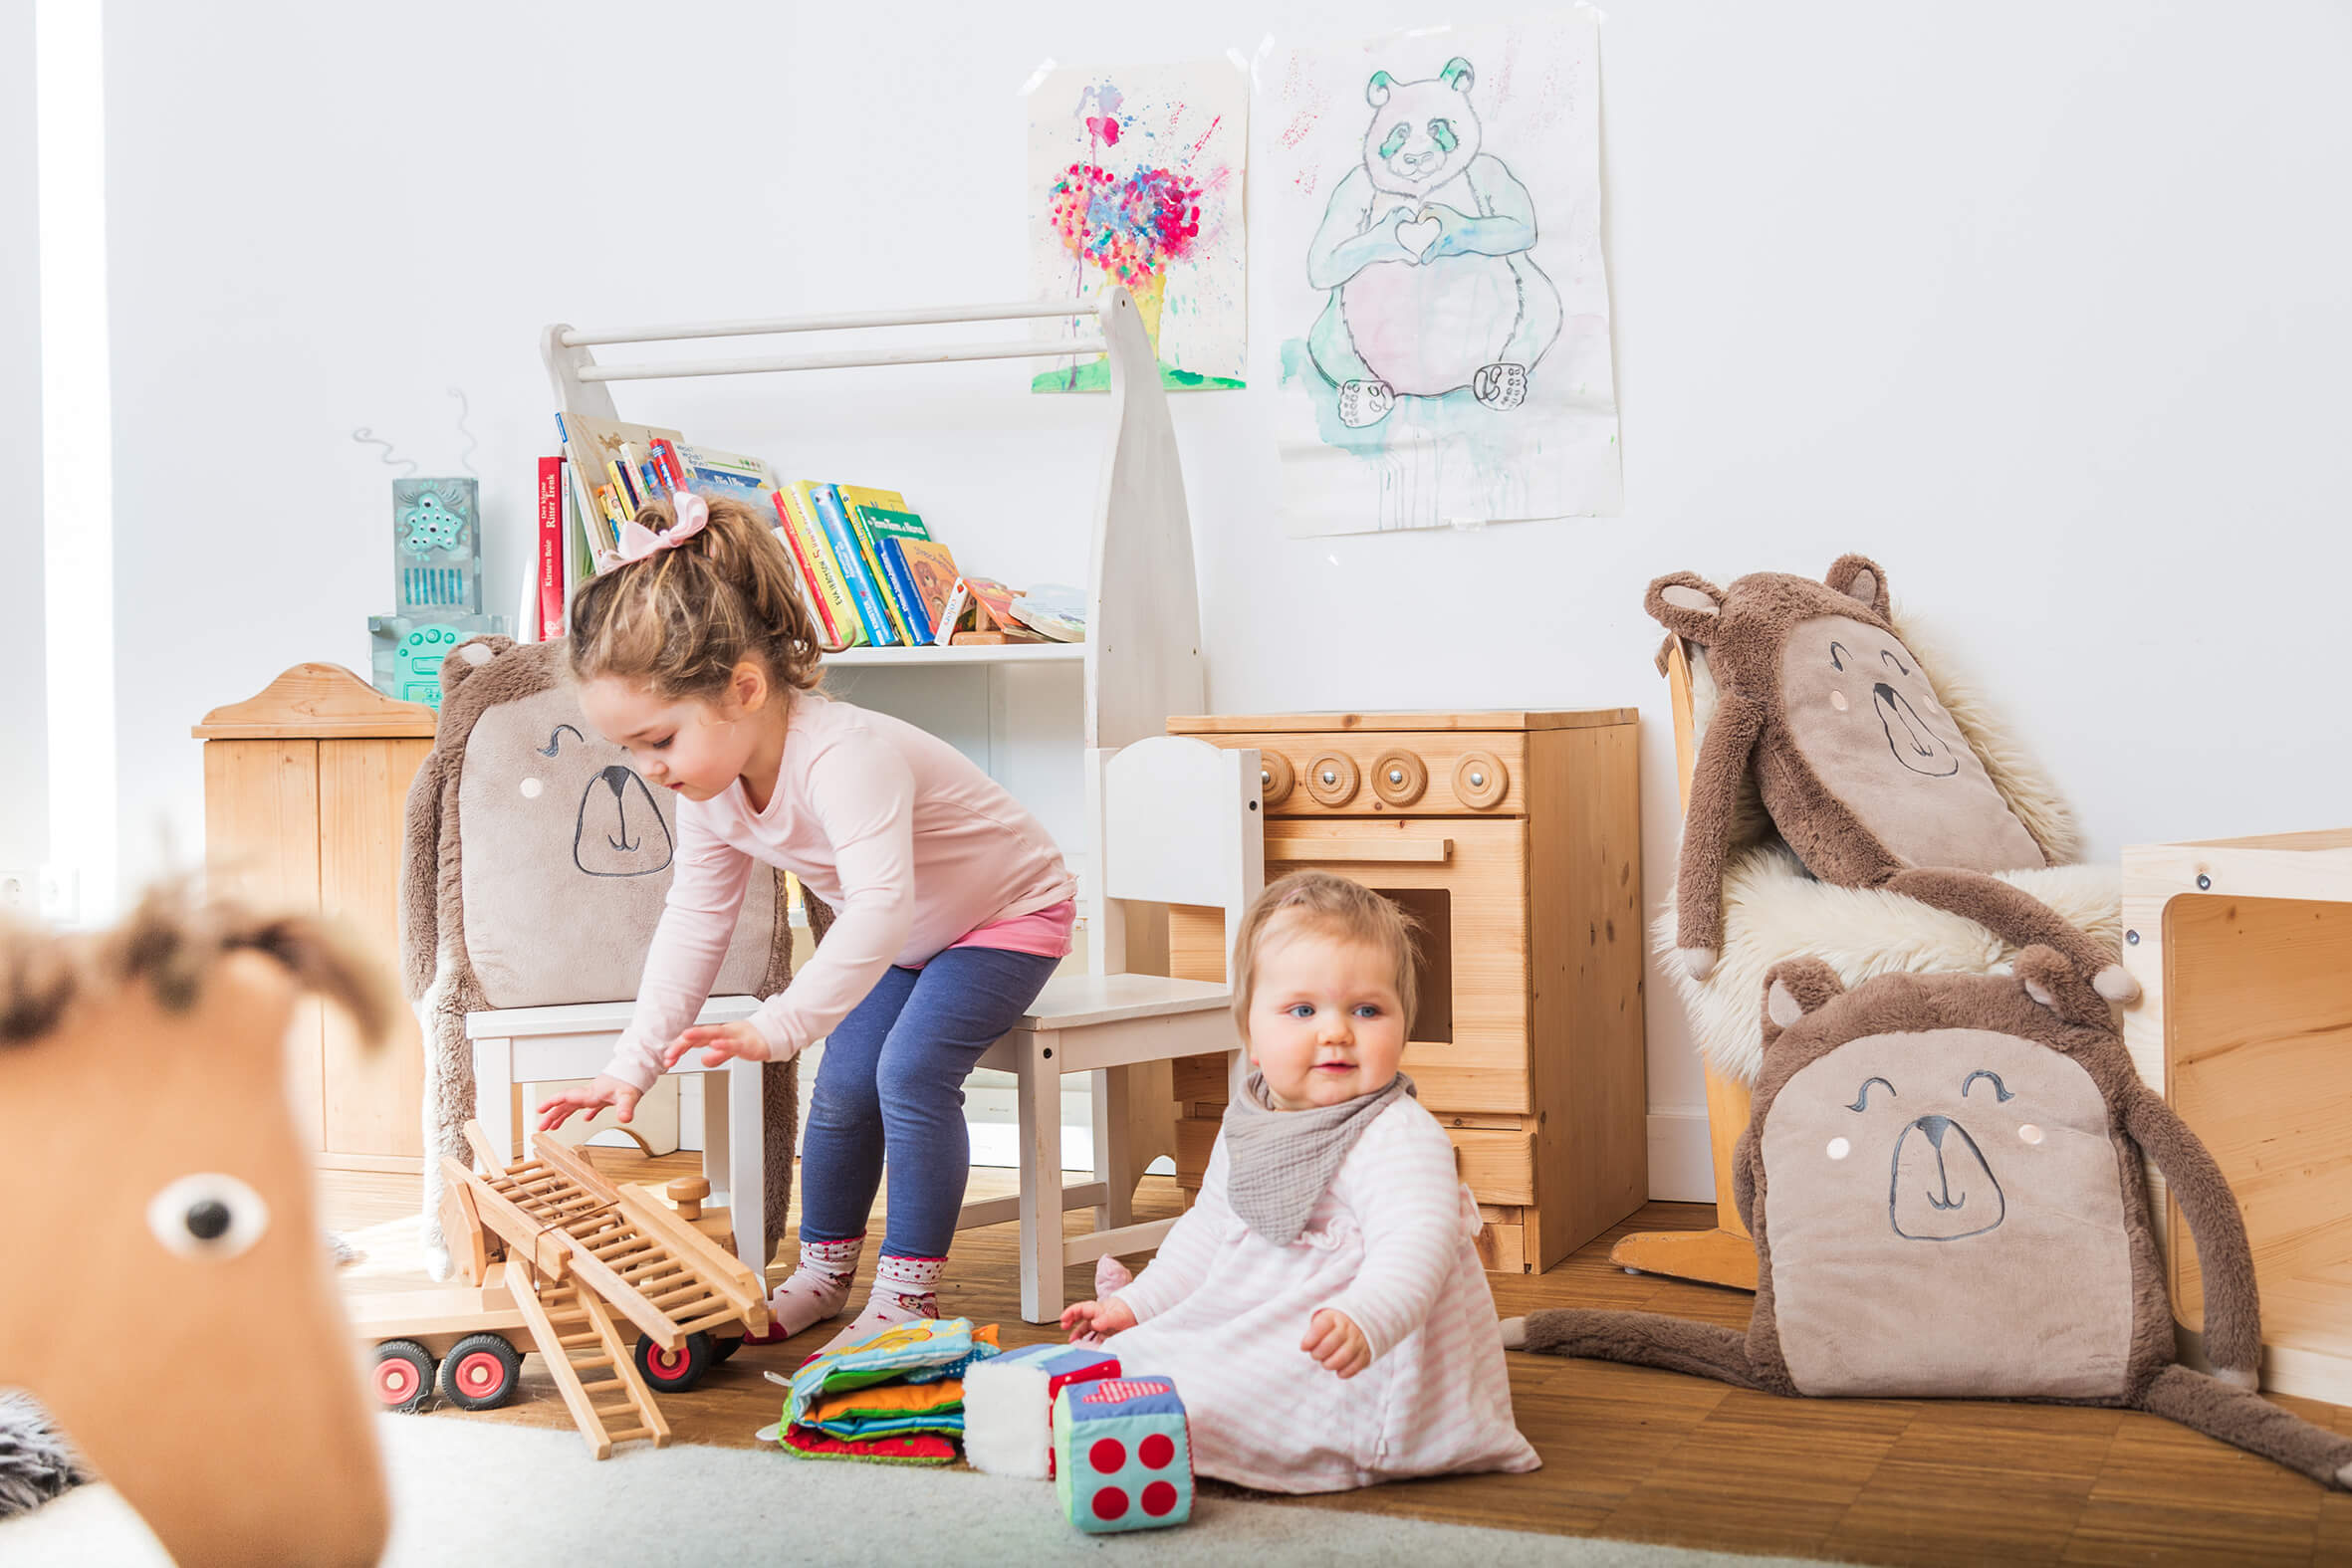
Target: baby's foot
[{"x": 1111, "y": 1276}]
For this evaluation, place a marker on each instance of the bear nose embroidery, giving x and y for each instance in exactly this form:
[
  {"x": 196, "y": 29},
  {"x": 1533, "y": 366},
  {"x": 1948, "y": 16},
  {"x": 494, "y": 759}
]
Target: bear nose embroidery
[{"x": 616, "y": 778}]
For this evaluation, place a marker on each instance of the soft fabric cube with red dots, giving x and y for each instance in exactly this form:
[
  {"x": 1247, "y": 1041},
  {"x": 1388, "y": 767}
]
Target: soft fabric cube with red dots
[{"x": 1122, "y": 1454}]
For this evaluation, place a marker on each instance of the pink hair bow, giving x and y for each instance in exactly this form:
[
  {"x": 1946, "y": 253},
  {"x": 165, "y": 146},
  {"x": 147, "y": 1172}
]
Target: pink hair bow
[{"x": 638, "y": 541}]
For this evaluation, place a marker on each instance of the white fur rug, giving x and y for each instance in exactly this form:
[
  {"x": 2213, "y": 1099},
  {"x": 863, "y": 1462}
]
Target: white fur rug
[{"x": 471, "y": 1492}]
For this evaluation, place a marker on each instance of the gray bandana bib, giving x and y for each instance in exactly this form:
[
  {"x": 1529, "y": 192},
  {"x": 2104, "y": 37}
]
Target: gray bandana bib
[{"x": 1280, "y": 1163}]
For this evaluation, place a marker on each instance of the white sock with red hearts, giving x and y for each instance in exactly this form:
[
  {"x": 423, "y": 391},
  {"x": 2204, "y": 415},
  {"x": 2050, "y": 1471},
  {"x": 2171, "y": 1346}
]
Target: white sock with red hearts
[
  {"x": 905, "y": 1289},
  {"x": 819, "y": 1288}
]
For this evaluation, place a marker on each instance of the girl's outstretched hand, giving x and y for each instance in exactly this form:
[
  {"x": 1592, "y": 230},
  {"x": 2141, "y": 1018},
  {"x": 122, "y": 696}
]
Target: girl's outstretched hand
[
  {"x": 564, "y": 1104},
  {"x": 1085, "y": 1320},
  {"x": 718, "y": 1042},
  {"x": 1334, "y": 1339}
]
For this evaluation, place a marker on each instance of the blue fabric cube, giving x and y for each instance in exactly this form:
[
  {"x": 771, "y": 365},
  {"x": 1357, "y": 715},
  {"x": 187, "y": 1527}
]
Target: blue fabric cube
[{"x": 1122, "y": 1454}]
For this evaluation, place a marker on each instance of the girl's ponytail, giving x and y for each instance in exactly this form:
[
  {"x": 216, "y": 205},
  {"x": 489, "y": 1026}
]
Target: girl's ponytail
[{"x": 681, "y": 618}]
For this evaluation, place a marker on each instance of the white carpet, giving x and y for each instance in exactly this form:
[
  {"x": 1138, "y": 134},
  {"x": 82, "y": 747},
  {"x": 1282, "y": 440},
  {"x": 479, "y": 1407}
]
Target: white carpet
[{"x": 469, "y": 1492}]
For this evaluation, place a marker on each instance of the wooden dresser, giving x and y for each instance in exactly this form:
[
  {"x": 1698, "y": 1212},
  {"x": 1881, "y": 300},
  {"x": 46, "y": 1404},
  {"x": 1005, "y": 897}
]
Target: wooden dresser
[
  {"x": 306, "y": 784},
  {"x": 1515, "y": 839}
]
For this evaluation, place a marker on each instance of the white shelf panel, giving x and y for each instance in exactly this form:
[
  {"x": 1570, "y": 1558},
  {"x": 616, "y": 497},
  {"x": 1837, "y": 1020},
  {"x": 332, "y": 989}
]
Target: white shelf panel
[{"x": 969, "y": 653}]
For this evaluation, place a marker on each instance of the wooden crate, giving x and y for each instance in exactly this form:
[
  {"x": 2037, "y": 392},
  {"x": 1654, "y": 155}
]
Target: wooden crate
[
  {"x": 1516, "y": 839},
  {"x": 306, "y": 784},
  {"x": 2243, "y": 949}
]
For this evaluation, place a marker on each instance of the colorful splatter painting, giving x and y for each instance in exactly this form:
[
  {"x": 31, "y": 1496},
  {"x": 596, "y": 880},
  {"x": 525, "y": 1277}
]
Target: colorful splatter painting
[
  {"x": 1429, "y": 263},
  {"x": 1135, "y": 178}
]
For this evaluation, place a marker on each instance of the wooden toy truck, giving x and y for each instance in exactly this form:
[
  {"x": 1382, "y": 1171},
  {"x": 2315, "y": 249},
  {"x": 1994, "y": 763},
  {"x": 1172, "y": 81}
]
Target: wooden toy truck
[{"x": 556, "y": 1258}]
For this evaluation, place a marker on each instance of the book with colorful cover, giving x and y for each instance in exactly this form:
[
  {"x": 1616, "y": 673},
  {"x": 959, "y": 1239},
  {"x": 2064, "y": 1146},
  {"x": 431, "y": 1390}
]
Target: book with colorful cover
[
  {"x": 797, "y": 506},
  {"x": 584, "y": 483},
  {"x": 992, "y": 605},
  {"x": 809, "y": 592},
  {"x": 863, "y": 588},
  {"x": 550, "y": 549},
  {"x": 856, "y": 500},
  {"x": 933, "y": 573},
  {"x": 887, "y": 529},
  {"x": 600, "y": 448}
]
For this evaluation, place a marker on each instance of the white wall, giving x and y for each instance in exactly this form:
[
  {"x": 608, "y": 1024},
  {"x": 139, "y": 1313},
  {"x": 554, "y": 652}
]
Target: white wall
[
  {"x": 2044, "y": 306},
  {"x": 24, "y": 745}
]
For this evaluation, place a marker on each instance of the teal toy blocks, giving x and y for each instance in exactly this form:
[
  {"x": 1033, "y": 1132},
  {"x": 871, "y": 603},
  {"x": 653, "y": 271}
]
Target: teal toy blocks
[
  {"x": 1122, "y": 1454},
  {"x": 437, "y": 584}
]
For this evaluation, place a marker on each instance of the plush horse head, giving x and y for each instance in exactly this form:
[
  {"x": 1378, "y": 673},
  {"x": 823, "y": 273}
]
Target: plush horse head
[{"x": 169, "y": 1297}]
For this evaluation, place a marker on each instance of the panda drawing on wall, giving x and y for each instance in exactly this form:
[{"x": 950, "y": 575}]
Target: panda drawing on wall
[{"x": 1424, "y": 253}]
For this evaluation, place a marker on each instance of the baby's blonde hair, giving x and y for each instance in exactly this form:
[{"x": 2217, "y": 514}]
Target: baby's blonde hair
[
  {"x": 680, "y": 620},
  {"x": 1349, "y": 910}
]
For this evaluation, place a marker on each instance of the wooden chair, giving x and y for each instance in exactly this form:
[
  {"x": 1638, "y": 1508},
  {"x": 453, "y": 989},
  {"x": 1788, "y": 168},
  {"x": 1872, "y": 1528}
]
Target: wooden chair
[
  {"x": 1171, "y": 820},
  {"x": 1726, "y": 1254}
]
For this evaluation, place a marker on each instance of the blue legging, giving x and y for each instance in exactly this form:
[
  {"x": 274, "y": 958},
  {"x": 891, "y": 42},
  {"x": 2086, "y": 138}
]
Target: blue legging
[{"x": 892, "y": 1081}]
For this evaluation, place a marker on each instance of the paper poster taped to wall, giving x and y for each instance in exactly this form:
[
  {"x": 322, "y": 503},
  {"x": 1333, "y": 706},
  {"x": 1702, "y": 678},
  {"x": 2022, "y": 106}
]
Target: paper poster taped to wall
[
  {"x": 1135, "y": 178},
  {"x": 1431, "y": 291}
]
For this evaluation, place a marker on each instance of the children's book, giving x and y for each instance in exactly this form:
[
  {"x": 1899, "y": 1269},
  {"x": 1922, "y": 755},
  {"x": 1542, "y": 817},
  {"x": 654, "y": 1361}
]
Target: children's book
[
  {"x": 811, "y": 594},
  {"x": 932, "y": 571},
  {"x": 584, "y": 482},
  {"x": 856, "y": 500},
  {"x": 864, "y": 590},
  {"x": 601, "y": 447},
  {"x": 885, "y": 530},
  {"x": 797, "y": 503},
  {"x": 992, "y": 605},
  {"x": 550, "y": 550}
]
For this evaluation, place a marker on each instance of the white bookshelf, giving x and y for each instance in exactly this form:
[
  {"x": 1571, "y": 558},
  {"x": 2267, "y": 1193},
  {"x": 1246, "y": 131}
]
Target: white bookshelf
[{"x": 1009, "y": 653}]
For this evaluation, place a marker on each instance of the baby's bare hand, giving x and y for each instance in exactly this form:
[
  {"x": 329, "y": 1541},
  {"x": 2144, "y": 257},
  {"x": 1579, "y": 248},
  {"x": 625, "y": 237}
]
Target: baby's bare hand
[
  {"x": 1334, "y": 1339},
  {"x": 1085, "y": 1320},
  {"x": 718, "y": 1042}
]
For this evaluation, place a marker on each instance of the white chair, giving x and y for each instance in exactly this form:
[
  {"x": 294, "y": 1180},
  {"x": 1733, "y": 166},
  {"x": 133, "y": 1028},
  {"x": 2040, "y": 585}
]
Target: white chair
[
  {"x": 517, "y": 1045},
  {"x": 1171, "y": 820}
]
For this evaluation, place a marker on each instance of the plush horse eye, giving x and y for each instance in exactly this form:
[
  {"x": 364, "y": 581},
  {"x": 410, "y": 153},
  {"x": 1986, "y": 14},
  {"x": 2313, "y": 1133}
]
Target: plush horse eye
[{"x": 208, "y": 1216}]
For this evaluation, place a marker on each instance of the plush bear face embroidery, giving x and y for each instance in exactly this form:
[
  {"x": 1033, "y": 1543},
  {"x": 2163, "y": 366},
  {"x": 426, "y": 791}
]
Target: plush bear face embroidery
[
  {"x": 1422, "y": 133},
  {"x": 1862, "y": 712},
  {"x": 1943, "y": 1209}
]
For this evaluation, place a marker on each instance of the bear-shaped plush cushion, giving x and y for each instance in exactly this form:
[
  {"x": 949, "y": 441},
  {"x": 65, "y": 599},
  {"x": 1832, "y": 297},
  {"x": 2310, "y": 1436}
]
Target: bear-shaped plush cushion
[
  {"x": 534, "y": 868},
  {"x": 1942, "y": 1177}
]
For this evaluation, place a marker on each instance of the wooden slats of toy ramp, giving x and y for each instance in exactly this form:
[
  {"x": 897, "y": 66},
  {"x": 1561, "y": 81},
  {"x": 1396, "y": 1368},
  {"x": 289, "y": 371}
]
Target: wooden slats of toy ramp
[{"x": 593, "y": 1369}]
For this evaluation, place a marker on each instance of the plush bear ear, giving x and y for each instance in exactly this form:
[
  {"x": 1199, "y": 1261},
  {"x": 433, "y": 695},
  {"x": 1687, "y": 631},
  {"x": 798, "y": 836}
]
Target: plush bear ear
[
  {"x": 1686, "y": 604},
  {"x": 1458, "y": 74},
  {"x": 1859, "y": 577},
  {"x": 467, "y": 657},
  {"x": 2054, "y": 983},
  {"x": 1378, "y": 90},
  {"x": 1794, "y": 987}
]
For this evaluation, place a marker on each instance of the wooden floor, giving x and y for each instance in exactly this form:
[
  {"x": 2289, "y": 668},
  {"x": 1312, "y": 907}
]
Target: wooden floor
[{"x": 1657, "y": 1456}]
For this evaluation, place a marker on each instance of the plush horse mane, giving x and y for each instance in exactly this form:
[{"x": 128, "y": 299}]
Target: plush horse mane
[{"x": 170, "y": 945}]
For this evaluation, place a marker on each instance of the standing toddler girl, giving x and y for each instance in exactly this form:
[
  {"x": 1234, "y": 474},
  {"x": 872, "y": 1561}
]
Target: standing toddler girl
[{"x": 952, "y": 906}]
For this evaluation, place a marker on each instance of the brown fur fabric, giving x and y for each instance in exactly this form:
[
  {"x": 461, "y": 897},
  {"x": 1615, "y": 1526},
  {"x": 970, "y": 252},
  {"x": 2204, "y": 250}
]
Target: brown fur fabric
[
  {"x": 1977, "y": 1227},
  {"x": 458, "y": 960},
  {"x": 1863, "y": 772}
]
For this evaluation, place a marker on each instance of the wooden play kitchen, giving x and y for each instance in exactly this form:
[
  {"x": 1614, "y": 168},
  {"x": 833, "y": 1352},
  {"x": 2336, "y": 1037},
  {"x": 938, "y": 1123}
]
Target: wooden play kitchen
[
  {"x": 2243, "y": 948},
  {"x": 1515, "y": 839}
]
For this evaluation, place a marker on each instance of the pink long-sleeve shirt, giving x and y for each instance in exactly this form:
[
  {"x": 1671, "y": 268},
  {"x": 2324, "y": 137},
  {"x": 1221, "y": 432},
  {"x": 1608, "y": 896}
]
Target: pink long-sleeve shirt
[
  {"x": 913, "y": 848},
  {"x": 1222, "y": 1310}
]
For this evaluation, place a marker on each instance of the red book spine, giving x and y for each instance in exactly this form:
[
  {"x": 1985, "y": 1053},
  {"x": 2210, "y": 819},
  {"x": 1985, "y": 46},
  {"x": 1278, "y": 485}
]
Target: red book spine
[
  {"x": 550, "y": 547},
  {"x": 809, "y": 590}
]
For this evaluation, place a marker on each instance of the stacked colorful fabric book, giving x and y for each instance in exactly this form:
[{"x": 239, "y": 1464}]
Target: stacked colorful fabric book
[{"x": 894, "y": 1398}]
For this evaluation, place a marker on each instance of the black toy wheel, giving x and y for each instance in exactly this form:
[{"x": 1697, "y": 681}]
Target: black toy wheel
[
  {"x": 723, "y": 1346},
  {"x": 480, "y": 1372},
  {"x": 403, "y": 1375},
  {"x": 674, "y": 1372}
]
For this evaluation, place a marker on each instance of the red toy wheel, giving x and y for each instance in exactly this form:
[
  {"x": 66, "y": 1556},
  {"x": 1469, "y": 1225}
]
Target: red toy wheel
[
  {"x": 403, "y": 1375},
  {"x": 480, "y": 1372},
  {"x": 675, "y": 1371}
]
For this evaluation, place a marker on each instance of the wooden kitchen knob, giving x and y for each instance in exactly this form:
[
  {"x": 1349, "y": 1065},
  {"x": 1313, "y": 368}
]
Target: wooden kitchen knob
[
  {"x": 1481, "y": 779},
  {"x": 1274, "y": 777},
  {"x": 1331, "y": 778},
  {"x": 1399, "y": 777}
]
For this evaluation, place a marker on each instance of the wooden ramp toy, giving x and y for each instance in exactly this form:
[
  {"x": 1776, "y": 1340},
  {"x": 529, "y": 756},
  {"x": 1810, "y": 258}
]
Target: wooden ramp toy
[{"x": 550, "y": 1246}]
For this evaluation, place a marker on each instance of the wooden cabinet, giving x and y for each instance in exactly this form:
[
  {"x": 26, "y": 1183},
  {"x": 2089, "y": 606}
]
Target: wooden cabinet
[
  {"x": 306, "y": 784},
  {"x": 1515, "y": 841}
]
